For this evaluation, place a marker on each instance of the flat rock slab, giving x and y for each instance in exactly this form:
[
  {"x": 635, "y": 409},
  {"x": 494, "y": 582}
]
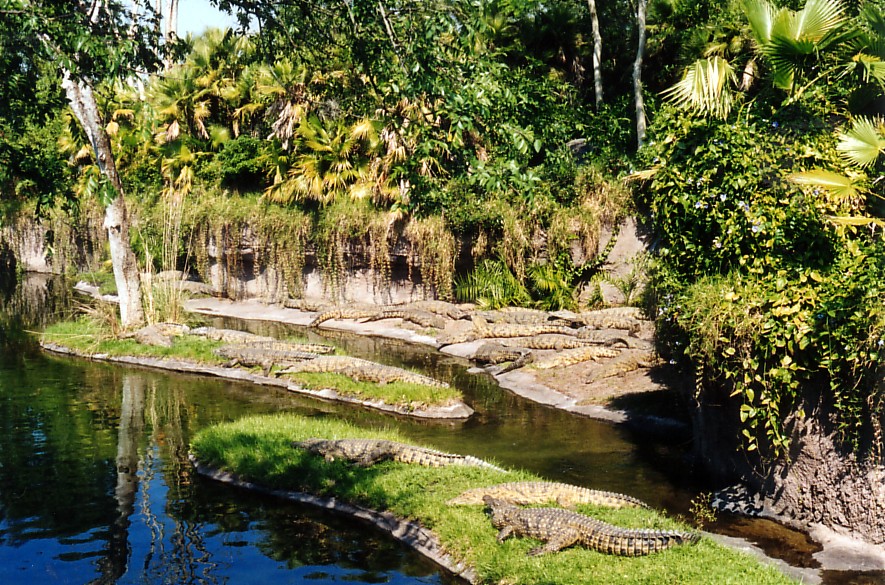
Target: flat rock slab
[
  {"x": 458, "y": 410},
  {"x": 410, "y": 533}
]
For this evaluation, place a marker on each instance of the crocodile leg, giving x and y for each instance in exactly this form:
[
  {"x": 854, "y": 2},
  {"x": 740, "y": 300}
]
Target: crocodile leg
[
  {"x": 505, "y": 533},
  {"x": 555, "y": 544}
]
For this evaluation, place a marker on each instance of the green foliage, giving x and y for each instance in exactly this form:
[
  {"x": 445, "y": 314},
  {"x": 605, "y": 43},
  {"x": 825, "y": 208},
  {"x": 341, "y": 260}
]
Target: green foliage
[
  {"x": 492, "y": 285},
  {"x": 259, "y": 449},
  {"x": 239, "y": 163},
  {"x": 753, "y": 271}
]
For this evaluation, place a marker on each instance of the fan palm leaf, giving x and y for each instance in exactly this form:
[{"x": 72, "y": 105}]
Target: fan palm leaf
[
  {"x": 706, "y": 87},
  {"x": 864, "y": 142},
  {"x": 791, "y": 40}
]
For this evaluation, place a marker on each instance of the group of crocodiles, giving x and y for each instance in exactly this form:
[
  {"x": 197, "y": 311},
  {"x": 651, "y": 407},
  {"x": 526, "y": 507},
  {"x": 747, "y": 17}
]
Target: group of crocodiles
[
  {"x": 557, "y": 527},
  {"x": 605, "y": 334},
  {"x": 522, "y": 336},
  {"x": 249, "y": 350}
]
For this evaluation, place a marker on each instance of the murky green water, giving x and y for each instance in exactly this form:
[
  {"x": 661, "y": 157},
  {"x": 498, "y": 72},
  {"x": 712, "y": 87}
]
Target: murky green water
[{"x": 95, "y": 486}]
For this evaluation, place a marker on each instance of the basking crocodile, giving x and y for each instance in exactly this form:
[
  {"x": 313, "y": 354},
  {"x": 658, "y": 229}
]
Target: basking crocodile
[
  {"x": 620, "y": 312},
  {"x": 277, "y": 345},
  {"x": 552, "y": 341},
  {"x": 306, "y": 305},
  {"x": 496, "y": 353},
  {"x": 624, "y": 364},
  {"x": 570, "y": 357},
  {"x": 484, "y": 329},
  {"x": 611, "y": 337},
  {"x": 422, "y": 318},
  {"x": 519, "y": 316},
  {"x": 158, "y": 334},
  {"x": 443, "y": 308},
  {"x": 521, "y": 493},
  {"x": 456, "y": 336},
  {"x": 365, "y": 452},
  {"x": 359, "y": 369},
  {"x": 602, "y": 320},
  {"x": 562, "y": 528},
  {"x": 343, "y": 313},
  {"x": 228, "y": 335},
  {"x": 264, "y": 357}
]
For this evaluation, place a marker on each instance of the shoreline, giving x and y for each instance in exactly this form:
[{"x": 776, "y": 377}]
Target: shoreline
[
  {"x": 839, "y": 553},
  {"x": 455, "y": 412},
  {"x": 409, "y": 533}
]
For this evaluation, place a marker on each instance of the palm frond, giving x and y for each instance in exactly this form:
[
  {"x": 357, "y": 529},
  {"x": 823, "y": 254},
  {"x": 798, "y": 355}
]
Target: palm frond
[
  {"x": 863, "y": 142},
  {"x": 705, "y": 87},
  {"x": 839, "y": 185}
]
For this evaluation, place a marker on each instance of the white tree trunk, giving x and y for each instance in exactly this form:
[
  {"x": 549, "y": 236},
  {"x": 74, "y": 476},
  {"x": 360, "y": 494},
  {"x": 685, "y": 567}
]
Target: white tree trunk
[
  {"x": 637, "y": 74},
  {"x": 116, "y": 221},
  {"x": 597, "y": 53},
  {"x": 172, "y": 21}
]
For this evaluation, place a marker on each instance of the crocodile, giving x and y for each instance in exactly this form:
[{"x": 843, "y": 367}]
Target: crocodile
[
  {"x": 484, "y": 329},
  {"x": 570, "y": 357},
  {"x": 422, "y": 318},
  {"x": 624, "y": 364},
  {"x": 552, "y": 341},
  {"x": 343, "y": 313},
  {"x": 605, "y": 321},
  {"x": 275, "y": 345},
  {"x": 158, "y": 334},
  {"x": 228, "y": 335},
  {"x": 612, "y": 337},
  {"x": 306, "y": 305},
  {"x": 496, "y": 353},
  {"x": 521, "y": 493},
  {"x": 518, "y": 316},
  {"x": 560, "y": 528},
  {"x": 366, "y": 452},
  {"x": 620, "y": 312},
  {"x": 264, "y": 357},
  {"x": 443, "y": 308},
  {"x": 456, "y": 336},
  {"x": 359, "y": 369}
]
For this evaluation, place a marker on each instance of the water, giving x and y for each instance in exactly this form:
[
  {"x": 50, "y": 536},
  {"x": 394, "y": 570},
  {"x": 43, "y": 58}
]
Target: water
[{"x": 95, "y": 486}]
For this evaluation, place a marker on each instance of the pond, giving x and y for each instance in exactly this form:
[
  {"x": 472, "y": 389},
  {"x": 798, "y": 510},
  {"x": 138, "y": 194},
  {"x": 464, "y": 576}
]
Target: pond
[{"x": 95, "y": 486}]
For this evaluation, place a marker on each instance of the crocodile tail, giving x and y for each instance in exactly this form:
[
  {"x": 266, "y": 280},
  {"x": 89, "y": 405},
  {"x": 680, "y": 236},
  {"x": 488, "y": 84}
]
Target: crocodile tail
[
  {"x": 475, "y": 462},
  {"x": 636, "y": 543}
]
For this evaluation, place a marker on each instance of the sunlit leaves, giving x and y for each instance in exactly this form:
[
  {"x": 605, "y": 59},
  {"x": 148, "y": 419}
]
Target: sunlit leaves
[
  {"x": 864, "y": 142},
  {"x": 705, "y": 87}
]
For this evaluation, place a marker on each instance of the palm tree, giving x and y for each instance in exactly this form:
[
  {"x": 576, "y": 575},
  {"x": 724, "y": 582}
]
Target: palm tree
[
  {"x": 789, "y": 42},
  {"x": 333, "y": 160}
]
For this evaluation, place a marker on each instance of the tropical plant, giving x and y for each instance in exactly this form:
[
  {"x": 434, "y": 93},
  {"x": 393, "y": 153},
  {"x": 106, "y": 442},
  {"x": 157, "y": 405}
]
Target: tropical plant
[{"x": 491, "y": 285}]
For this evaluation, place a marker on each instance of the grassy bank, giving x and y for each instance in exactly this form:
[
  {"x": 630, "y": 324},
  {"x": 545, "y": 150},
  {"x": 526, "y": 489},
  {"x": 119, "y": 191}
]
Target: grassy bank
[
  {"x": 258, "y": 449},
  {"x": 89, "y": 337}
]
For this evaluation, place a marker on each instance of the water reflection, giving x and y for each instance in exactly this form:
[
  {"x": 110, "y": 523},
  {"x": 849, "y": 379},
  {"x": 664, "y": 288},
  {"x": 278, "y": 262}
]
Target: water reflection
[{"x": 95, "y": 486}]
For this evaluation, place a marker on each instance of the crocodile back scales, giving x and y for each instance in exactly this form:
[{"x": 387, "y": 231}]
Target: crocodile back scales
[
  {"x": 523, "y": 493},
  {"x": 366, "y": 452},
  {"x": 562, "y": 528}
]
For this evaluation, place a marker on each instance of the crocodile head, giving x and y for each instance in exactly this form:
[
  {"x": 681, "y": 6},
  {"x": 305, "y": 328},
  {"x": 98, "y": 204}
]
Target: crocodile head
[
  {"x": 497, "y": 510},
  {"x": 313, "y": 445}
]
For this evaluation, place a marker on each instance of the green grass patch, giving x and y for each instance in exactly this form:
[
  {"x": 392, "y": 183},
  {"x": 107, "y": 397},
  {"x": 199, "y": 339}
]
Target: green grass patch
[
  {"x": 259, "y": 449},
  {"x": 400, "y": 393},
  {"x": 88, "y": 336}
]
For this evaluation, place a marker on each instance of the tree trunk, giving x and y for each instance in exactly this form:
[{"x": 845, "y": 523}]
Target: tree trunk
[
  {"x": 116, "y": 222},
  {"x": 172, "y": 21},
  {"x": 597, "y": 53},
  {"x": 637, "y": 74}
]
